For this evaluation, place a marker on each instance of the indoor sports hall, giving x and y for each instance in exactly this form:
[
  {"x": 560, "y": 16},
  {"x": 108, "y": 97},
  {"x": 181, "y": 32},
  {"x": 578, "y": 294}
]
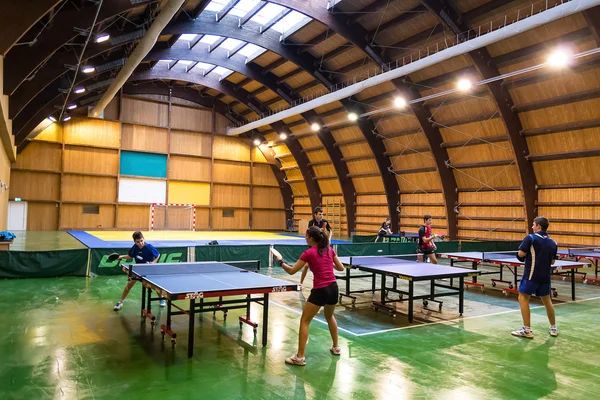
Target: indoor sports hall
[{"x": 300, "y": 199}]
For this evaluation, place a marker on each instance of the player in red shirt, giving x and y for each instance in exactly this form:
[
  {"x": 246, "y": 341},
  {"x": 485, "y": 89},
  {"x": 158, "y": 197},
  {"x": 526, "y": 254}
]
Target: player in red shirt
[
  {"x": 321, "y": 260},
  {"x": 426, "y": 247}
]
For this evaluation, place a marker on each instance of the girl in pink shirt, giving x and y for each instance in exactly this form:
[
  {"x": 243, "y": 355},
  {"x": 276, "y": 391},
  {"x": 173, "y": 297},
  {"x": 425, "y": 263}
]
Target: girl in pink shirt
[{"x": 321, "y": 260}]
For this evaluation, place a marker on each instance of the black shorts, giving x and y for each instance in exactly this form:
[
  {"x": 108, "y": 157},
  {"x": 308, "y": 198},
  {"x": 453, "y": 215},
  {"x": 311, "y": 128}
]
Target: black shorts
[
  {"x": 324, "y": 296},
  {"x": 425, "y": 251}
]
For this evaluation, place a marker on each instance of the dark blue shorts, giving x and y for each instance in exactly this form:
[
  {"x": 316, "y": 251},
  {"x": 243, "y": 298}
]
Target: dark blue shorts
[{"x": 533, "y": 288}]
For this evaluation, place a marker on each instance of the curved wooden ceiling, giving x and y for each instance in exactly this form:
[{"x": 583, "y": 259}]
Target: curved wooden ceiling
[{"x": 527, "y": 142}]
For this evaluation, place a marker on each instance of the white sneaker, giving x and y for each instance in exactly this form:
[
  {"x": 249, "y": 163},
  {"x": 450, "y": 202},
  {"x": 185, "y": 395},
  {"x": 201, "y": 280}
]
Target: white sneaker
[
  {"x": 553, "y": 331},
  {"x": 295, "y": 360},
  {"x": 163, "y": 303},
  {"x": 335, "y": 350},
  {"x": 523, "y": 333},
  {"x": 118, "y": 306}
]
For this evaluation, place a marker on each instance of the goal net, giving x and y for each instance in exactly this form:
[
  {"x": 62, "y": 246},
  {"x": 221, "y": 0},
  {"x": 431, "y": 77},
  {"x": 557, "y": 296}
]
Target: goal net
[{"x": 180, "y": 217}]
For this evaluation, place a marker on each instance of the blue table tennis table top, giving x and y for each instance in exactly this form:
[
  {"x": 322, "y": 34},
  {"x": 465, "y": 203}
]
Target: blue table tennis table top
[
  {"x": 580, "y": 253},
  {"x": 410, "y": 268},
  {"x": 202, "y": 277},
  {"x": 499, "y": 258}
]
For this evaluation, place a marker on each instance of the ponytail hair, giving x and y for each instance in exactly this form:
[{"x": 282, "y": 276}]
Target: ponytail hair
[{"x": 319, "y": 237}]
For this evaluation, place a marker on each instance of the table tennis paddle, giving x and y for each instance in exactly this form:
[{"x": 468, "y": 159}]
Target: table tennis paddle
[
  {"x": 276, "y": 254},
  {"x": 113, "y": 256}
]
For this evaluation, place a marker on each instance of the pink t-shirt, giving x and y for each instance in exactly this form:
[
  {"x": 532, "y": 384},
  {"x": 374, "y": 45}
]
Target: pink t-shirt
[{"x": 321, "y": 266}]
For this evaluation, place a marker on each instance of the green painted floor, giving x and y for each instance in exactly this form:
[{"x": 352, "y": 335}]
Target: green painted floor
[
  {"x": 44, "y": 240},
  {"x": 62, "y": 340}
]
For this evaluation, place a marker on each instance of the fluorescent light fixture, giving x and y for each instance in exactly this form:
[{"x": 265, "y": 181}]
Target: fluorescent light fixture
[
  {"x": 80, "y": 90},
  {"x": 399, "y": 102},
  {"x": 352, "y": 116},
  {"x": 283, "y": 136},
  {"x": 257, "y": 142},
  {"x": 464, "y": 85},
  {"x": 88, "y": 69},
  {"x": 66, "y": 117},
  {"x": 315, "y": 127},
  {"x": 103, "y": 37},
  {"x": 72, "y": 106},
  {"x": 51, "y": 118}
]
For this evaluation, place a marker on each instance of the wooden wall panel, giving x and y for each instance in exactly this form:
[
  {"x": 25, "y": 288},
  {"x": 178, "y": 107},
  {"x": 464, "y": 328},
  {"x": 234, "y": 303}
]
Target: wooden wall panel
[
  {"x": 422, "y": 181},
  {"x": 144, "y": 112},
  {"x": 485, "y": 235},
  {"x": 258, "y": 156},
  {"x": 189, "y": 168},
  {"x": 91, "y": 161},
  {"x": 42, "y": 216},
  {"x": 202, "y": 217},
  {"x": 238, "y": 221},
  {"x": 267, "y": 198},
  {"x": 229, "y": 148},
  {"x": 221, "y": 124},
  {"x": 92, "y": 132},
  {"x": 53, "y": 133},
  {"x": 195, "y": 144},
  {"x": 231, "y": 196},
  {"x": 133, "y": 217},
  {"x": 34, "y": 185},
  {"x": 191, "y": 119},
  {"x": 5, "y": 176},
  {"x": 89, "y": 189},
  {"x": 231, "y": 172},
  {"x": 144, "y": 138},
  {"x": 268, "y": 220},
  {"x": 578, "y": 170},
  {"x": 72, "y": 217},
  {"x": 263, "y": 175},
  {"x": 40, "y": 156}
]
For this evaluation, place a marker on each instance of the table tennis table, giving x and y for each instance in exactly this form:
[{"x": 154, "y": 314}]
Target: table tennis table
[
  {"x": 404, "y": 268},
  {"x": 587, "y": 253},
  {"x": 508, "y": 260},
  {"x": 197, "y": 281}
]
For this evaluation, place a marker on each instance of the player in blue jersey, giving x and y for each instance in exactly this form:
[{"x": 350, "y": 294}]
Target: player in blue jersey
[
  {"x": 538, "y": 251},
  {"x": 142, "y": 253}
]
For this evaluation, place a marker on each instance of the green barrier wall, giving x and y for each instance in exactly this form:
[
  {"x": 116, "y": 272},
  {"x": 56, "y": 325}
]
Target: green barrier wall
[
  {"x": 364, "y": 249},
  {"x": 363, "y": 239},
  {"x": 490, "y": 246},
  {"x": 234, "y": 253},
  {"x": 101, "y": 266},
  {"x": 290, "y": 252},
  {"x": 43, "y": 264}
]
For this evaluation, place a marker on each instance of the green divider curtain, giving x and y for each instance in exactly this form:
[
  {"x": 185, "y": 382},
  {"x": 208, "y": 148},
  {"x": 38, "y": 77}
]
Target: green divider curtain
[
  {"x": 490, "y": 246},
  {"x": 365, "y": 249},
  {"x": 363, "y": 239},
  {"x": 43, "y": 264},
  {"x": 446, "y": 247},
  {"x": 402, "y": 248},
  {"x": 101, "y": 266},
  {"x": 234, "y": 253}
]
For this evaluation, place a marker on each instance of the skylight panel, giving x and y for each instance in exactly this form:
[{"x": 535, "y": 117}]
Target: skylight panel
[
  {"x": 201, "y": 67},
  {"x": 187, "y": 37},
  {"x": 267, "y": 13},
  {"x": 209, "y": 39},
  {"x": 185, "y": 62},
  {"x": 293, "y": 20},
  {"x": 229, "y": 44},
  {"x": 242, "y": 7},
  {"x": 222, "y": 72},
  {"x": 216, "y": 5},
  {"x": 251, "y": 51},
  {"x": 164, "y": 61}
]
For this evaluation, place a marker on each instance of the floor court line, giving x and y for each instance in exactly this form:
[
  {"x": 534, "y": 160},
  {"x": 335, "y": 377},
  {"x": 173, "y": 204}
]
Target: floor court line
[{"x": 466, "y": 318}]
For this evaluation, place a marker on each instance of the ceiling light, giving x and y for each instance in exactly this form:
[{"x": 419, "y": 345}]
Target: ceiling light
[
  {"x": 79, "y": 90},
  {"x": 352, "y": 116},
  {"x": 257, "y": 142},
  {"x": 88, "y": 69},
  {"x": 315, "y": 127},
  {"x": 51, "y": 118},
  {"x": 66, "y": 117},
  {"x": 558, "y": 59},
  {"x": 282, "y": 136},
  {"x": 72, "y": 106},
  {"x": 464, "y": 84},
  {"x": 399, "y": 102},
  {"x": 103, "y": 37}
]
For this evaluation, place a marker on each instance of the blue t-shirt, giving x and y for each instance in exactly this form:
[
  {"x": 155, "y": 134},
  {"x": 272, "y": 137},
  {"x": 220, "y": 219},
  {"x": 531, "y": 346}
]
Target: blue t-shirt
[
  {"x": 541, "y": 251},
  {"x": 146, "y": 254}
]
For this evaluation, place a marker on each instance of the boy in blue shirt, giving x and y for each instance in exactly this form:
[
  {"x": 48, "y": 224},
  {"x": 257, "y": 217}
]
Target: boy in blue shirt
[
  {"x": 142, "y": 253},
  {"x": 538, "y": 251}
]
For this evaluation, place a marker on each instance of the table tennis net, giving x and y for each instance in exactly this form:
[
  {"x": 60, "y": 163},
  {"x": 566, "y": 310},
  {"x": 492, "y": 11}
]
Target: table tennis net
[
  {"x": 495, "y": 255},
  {"x": 585, "y": 251},
  {"x": 388, "y": 259},
  {"x": 194, "y": 267}
]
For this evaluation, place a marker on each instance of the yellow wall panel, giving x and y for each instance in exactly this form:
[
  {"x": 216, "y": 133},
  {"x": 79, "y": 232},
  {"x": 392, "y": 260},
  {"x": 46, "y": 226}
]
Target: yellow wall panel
[
  {"x": 92, "y": 132},
  {"x": 189, "y": 193}
]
